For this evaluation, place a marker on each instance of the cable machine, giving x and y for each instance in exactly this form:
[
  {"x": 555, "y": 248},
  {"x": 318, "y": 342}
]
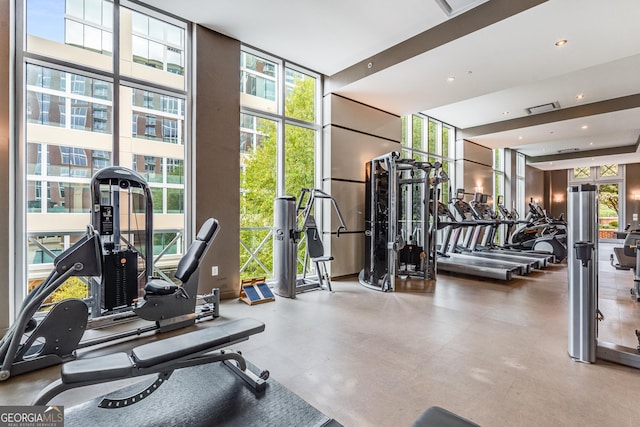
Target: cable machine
[
  {"x": 122, "y": 215},
  {"x": 399, "y": 240},
  {"x": 582, "y": 272}
]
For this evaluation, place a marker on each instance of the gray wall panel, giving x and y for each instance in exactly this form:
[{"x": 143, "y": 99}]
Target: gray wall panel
[
  {"x": 348, "y": 253},
  {"x": 351, "y": 150},
  {"x": 534, "y": 187},
  {"x": 346, "y": 113},
  {"x": 632, "y": 185}
]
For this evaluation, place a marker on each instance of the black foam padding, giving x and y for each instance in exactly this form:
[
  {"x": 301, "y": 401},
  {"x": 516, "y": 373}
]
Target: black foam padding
[
  {"x": 204, "y": 339},
  {"x": 208, "y": 230},
  {"x": 191, "y": 260},
  {"x": 439, "y": 417},
  {"x": 202, "y": 396},
  {"x": 116, "y": 365}
]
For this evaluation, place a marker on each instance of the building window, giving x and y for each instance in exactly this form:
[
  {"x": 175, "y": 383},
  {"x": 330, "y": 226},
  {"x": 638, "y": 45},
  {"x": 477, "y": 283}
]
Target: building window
[
  {"x": 582, "y": 172},
  {"x": 609, "y": 170},
  {"x": 157, "y": 44}
]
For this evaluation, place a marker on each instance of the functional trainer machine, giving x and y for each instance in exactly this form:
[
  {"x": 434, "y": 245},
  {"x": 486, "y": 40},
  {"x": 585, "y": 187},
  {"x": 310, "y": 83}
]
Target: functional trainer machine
[
  {"x": 40, "y": 339},
  {"x": 399, "y": 239},
  {"x": 582, "y": 271},
  {"x": 292, "y": 224}
]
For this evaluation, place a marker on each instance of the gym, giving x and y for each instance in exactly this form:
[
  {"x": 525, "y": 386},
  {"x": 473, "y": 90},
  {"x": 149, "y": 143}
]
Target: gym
[{"x": 410, "y": 213}]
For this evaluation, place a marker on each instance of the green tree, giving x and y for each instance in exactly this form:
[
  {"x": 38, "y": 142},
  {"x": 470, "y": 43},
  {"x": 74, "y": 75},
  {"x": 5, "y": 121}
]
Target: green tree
[{"x": 258, "y": 176}]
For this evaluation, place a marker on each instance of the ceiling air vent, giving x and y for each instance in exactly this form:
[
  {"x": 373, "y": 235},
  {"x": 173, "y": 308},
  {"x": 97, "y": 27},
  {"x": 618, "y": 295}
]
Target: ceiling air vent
[
  {"x": 454, "y": 7},
  {"x": 568, "y": 150},
  {"x": 544, "y": 108}
]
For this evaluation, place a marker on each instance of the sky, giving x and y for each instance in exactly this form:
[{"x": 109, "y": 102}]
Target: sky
[{"x": 45, "y": 18}]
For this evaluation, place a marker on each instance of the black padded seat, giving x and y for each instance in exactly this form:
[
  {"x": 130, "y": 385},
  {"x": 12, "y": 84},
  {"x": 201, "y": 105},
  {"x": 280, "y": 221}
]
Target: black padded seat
[
  {"x": 159, "y": 287},
  {"x": 438, "y": 417},
  {"x": 111, "y": 366},
  {"x": 190, "y": 261},
  {"x": 192, "y": 343}
]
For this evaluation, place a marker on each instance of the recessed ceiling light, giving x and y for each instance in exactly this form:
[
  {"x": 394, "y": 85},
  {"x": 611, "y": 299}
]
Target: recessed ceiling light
[
  {"x": 561, "y": 42},
  {"x": 550, "y": 163},
  {"x": 584, "y": 127},
  {"x": 450, "y": 79},
  {"x": 505, "y": 113},
  {"x": 520, "y": 137},
  {"x": 591, "y": 143},
  {"x": 580, "y": 96}
]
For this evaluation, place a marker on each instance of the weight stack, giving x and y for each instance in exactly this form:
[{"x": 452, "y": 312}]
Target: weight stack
[{"x": 120, "y": 279}]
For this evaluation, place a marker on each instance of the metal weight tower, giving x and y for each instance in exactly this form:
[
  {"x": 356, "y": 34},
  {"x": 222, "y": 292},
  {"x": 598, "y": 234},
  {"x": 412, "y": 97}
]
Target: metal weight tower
[
  {"x": 399, "y": 241},
  {"x": 582, "y": 271},
  {"x": 292, "y": 224},
  {"x": 122, "y": 215}
]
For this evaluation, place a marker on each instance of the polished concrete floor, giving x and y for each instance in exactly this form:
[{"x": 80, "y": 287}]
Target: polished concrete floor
[{"x": 492, "y": 352}]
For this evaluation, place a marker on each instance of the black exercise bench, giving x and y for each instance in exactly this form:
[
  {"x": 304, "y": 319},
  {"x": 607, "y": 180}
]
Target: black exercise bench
[{"x": 162, "y": 358}]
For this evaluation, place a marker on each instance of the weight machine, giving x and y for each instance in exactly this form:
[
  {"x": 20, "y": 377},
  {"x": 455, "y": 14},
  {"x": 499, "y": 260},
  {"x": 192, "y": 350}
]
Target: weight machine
[
  {"x": 116, "y": 255},
  {"x": 292, "y": 224},
  {"x": 399, "y": 241}
]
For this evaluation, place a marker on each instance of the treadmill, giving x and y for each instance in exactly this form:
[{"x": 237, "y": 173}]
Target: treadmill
[
  {"x": 460, "y": 264},
  {"x": 469, "y": 247},
  {"x": 483, "y": 212}
]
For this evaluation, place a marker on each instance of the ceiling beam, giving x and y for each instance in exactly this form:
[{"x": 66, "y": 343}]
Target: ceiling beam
[
  {"x": 459, "y": 26},
  {"x": 625, "y": 149},
  {"x": 592, "y": 109}
]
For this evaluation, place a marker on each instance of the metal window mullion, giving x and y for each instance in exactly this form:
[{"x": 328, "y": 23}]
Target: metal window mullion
[{"x": 115, "y": 110}]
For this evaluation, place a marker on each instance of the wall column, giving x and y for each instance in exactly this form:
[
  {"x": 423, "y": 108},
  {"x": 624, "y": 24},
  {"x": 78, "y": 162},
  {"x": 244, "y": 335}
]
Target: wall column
[{"x": 216, "y": 156}]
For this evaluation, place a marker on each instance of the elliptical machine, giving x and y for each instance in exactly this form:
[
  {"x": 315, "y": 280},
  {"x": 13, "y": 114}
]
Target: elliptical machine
[{"x": 527, "y": 235}]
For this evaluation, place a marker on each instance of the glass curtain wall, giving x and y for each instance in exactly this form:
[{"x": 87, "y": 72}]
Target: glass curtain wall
[
  {"x": 279, "y": 139},
  {"x": 427, "y": 139},
  {"x": 498, "y": 187},
  {"x": 103, "y": 83}
]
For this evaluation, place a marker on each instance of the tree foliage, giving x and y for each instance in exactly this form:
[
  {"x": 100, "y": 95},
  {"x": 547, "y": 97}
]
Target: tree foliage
[{"x": 258, "y": 176}]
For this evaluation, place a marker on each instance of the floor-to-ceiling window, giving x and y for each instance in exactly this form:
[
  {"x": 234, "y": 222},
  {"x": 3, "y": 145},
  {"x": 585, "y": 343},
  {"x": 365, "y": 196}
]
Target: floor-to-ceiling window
[
  {"x": 279, "y": 142},
  {"x": 425, "y": 139},
  {"x": 498, "y": 186},
  {"x": 100, "y": 83},
  {"x": 520, "y": 184}
]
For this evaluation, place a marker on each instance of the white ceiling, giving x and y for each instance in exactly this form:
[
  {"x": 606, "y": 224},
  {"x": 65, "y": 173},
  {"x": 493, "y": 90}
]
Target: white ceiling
[{"x": 507, "y": 66}]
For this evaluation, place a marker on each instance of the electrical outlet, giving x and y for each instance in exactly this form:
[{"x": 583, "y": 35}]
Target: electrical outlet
[{"x": 214, "y": 270}]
